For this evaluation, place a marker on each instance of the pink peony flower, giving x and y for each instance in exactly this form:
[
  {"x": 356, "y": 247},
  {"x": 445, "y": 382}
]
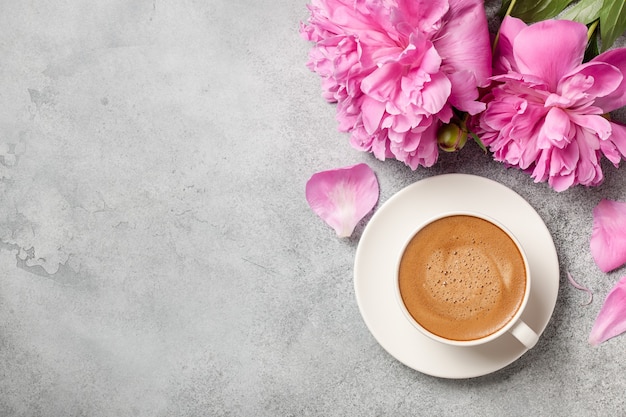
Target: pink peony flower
[
  {"x": 396, "y": 69},
  {"x": 547, "y": 115}
]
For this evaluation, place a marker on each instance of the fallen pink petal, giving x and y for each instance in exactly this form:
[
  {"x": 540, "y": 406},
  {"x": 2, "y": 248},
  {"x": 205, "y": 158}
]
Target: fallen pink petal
[
  {"x": 611, "y": 320},
  {"x": 343, "y": 196},
  {"x": 608, "y": 236},
  {"x": 580, "y": 287}
]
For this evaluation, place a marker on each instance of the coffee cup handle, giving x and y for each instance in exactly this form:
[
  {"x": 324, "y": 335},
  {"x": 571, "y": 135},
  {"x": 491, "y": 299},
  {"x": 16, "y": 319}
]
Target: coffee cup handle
[{"x": 524, "y": 334}]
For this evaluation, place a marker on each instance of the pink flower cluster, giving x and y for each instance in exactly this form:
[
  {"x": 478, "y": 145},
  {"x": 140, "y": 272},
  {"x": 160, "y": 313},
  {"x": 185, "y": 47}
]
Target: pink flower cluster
[{"x": 396, "y": 69}]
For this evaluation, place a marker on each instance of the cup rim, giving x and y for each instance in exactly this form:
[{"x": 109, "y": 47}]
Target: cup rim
[{"x": 473, "y": 342}]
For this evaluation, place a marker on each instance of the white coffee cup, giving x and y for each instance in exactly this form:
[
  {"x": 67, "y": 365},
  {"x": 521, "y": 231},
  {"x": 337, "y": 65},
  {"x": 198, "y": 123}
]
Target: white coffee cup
[{"x": 462, "y": 226}]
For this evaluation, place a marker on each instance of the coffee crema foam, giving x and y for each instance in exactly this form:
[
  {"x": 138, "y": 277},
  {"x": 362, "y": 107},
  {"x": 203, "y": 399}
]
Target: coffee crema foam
[{"x": 462, "y": 278}]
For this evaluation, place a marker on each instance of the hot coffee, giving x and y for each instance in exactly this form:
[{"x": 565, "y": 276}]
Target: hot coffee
[{"x": 462, "y": 278}]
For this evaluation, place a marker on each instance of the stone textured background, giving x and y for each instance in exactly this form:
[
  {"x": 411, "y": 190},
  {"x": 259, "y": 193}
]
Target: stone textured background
[{"x": 157, "y": 255}]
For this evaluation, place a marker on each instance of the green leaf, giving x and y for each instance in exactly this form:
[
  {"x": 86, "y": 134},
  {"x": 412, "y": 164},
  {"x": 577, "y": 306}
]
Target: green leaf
[
  {"x": 592, "y": 49},
  {"x": 504, "y": 7},
  {"x": 480, "y": 143},
  {"x": 531, "y": 11},
  {"x": 585, "y": 11},
  {"x": 612, "y": 22}
]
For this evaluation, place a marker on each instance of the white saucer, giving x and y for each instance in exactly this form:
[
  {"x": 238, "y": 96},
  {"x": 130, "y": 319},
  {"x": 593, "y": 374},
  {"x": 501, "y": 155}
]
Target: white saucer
[{"x": 380, "y": 246}]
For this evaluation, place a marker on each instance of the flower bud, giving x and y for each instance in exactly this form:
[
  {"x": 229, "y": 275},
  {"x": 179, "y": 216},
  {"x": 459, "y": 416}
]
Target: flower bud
[{"x": 451, "y": 137}]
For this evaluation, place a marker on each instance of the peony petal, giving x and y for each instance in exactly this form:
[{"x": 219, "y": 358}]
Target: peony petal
[
  {"x": 595, "y": 79},
  {"x": 431, "y": 61},
  {"x": 464, "y": 94},
  {"x": 343, "y": 196},
  {"x": 617, "y": 99},
  {"x": 540, "y": 170},
  {"x": 427, "y": 151},
  {"x": 562, "y": 49},
  {"x": 595, "y": 123},
  {"x": 466, "y": 21},
  {"x": 618, "y": 138},
  {"x": 611, "y": 320},
  {"x": 373, "y": 111},
  {"x": 435, "y": 93},
  {"x": 588, "y": 171},
  {"x": 562, "y": 182},
  {"x": 608, "y": 236},
  {"x": 382, "y": 83},
  {"x": 556, "y": 129},
  {"x": 423, "y": 14},
  {"x": 504, "y": 60}
]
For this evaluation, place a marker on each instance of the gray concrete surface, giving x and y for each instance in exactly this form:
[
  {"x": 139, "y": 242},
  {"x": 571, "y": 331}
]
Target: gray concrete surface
[{"x": 157, "y": 255}]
